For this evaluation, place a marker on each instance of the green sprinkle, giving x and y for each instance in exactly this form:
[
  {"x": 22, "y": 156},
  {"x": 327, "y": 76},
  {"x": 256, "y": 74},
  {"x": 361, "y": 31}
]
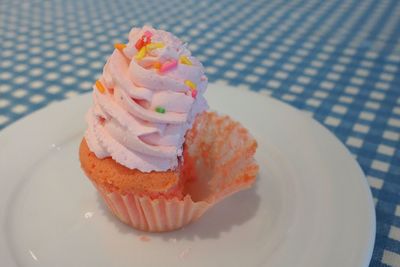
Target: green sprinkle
[{"x": 160, "y": 109}]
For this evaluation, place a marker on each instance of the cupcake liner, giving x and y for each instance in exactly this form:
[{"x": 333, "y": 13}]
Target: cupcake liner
[
  {"x": 218, "y": 161},
  {"x": 154, "y": 215}
]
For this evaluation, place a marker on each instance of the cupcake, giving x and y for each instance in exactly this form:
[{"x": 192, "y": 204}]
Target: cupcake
[{"x": 152, "y": 149}]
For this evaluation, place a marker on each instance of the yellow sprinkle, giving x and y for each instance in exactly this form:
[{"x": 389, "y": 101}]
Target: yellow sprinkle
[
  {"x": 153, "y": 46},
  {"x": 190, "y": 84},
  {"x": 141, "y": 54},
  {"x": 100, "y": 87},
  {"x": 185, "y": 60},
  {"x": 120, "y": 47}
]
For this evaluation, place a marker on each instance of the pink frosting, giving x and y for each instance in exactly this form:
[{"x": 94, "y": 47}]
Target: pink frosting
[{"x": 123, "y": 122}]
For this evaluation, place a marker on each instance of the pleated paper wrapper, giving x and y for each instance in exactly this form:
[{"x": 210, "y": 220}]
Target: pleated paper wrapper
[{"x": 218, "y": 161}]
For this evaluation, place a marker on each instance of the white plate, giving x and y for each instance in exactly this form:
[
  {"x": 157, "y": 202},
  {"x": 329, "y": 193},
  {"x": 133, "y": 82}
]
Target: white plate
[{"x": 311, "y": 205}]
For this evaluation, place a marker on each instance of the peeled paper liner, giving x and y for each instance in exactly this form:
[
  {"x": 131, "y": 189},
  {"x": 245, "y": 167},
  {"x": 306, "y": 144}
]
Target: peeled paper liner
[{"x": 218, "y": 161}]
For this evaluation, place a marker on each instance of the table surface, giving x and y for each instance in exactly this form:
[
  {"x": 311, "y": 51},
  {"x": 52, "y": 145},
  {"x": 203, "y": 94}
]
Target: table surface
[{"x": 337, "y": 60}]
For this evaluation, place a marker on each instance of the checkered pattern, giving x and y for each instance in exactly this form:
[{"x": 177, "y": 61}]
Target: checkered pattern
[{"x": 337, "y": 60}]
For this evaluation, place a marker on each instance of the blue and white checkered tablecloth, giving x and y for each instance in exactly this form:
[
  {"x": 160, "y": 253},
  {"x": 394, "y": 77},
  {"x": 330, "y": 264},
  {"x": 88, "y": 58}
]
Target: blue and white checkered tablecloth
[{"x": 338, "y": 60}]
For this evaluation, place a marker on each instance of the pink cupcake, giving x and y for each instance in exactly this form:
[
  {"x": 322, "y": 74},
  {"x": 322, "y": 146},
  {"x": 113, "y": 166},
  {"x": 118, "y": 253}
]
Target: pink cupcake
[{"x": 156, "y": 155}]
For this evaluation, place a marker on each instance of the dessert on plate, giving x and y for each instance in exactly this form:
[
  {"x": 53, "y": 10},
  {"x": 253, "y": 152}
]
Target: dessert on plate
[{"x": 152, "y": 149}]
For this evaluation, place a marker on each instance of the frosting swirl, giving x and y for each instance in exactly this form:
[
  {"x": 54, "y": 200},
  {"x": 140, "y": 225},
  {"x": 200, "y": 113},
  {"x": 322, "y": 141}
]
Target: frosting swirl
[{"x": 147, "y": 97}]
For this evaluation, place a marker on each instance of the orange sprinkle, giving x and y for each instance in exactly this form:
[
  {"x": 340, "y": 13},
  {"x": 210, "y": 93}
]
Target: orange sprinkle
[
  {"x": 120, "y": 47},
  {"x": 100, "y": 87},
  {"x": 157, "y": 65}
]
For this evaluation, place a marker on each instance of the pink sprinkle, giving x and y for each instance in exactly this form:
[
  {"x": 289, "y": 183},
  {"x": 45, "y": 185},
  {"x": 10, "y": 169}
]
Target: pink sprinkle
[
  {"x": 168, "y": 65},
  {"x": 185, "y": 253},
  {"x": 144, "y": 238},
  {"x": 194, "y": 93},
  {"x": 147, "y": 34}
]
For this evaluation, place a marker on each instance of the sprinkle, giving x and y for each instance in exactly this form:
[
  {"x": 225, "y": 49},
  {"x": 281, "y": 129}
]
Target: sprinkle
[
  {"x": 146, "y": 37},
  {"x": 120, "y": 47},
  {"x": 141, "y": 54},
  {"x": 160, "y": 110},
  {"x": 100, "y": 87},
  {"x": 157, "y": 65},
  {"x": 185, "y": 253},
  {"x": 168, "y": 65},
  {"x": 139, "y": 44},
  {"x": 153, "y": 46},
  {"x": 185, "y": 60},
  {"x": 190, "y": 84},
  {"x": 147, "y": 34},
  {"x": 144, "y": 238},
  {"x": 144, "y": 40}
]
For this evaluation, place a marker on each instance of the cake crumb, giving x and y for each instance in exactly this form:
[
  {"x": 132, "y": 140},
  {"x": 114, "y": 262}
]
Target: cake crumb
[
  {"x": 144, "y": 238},
  {"x": 185, "y": 253}
]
